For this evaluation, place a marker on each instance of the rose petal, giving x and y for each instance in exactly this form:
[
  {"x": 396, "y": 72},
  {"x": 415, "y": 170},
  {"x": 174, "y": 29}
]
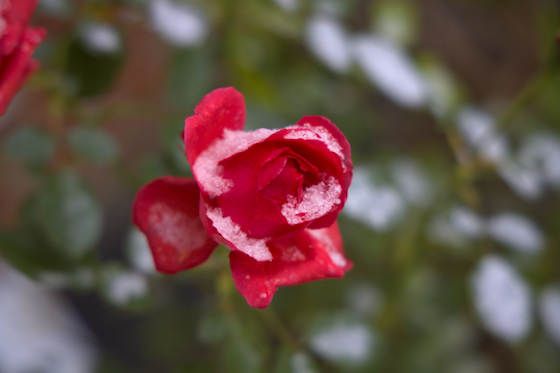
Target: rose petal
[
  {"x": 166, "y": 211},
  {"x": 221, "y": 109},
  {"x": 16, "y": 15},
  {"x": 17, "y": 67},
  {"x": 307, "y": 256}
]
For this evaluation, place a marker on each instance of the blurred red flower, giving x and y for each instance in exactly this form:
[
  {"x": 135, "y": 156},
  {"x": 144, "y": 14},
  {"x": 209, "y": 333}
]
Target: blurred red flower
[
  {"x": 17, "y": 43},
  {"x": 271, "y": 196}
]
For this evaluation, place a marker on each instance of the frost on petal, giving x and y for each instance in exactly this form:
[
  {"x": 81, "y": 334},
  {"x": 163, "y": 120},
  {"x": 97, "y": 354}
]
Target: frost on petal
[
  {"x": 180, "y": 24},
  {"x": 312, "y": 254},
  {"x": 256, "y": 248},
  {"x": 317, "y": 201},
  {"x": 502, "y": 299},
  {"x": 549, "y": 309},
  {"x": 207, "y": 169},
  {"x": 377, "y": 206},
  {"x": 221, "y": 109},
  {"x": 517, "y": 232},
  {"x": 166, "y": 211},
  {"x": 327, "y": 40},
  {"x": 390, "y": 70}
]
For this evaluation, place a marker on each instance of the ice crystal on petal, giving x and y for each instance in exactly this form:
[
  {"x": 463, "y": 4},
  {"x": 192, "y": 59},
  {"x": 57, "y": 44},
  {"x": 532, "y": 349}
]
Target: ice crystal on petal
[
  {"x": 231, "y": 231},
  {"x": 176, "y": 228},
  {"x": 317, "y": 201},
  {"x": 316, "y": 133},
  {"x": 207, "y": 167}
]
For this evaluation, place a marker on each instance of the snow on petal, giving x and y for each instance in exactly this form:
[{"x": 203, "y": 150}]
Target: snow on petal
[
  {"x": 180, "y": 24},
  {"x": 317, "y": 201},
  {"x": 327, "y": 40},
  {"x": 207, "y": 169},
  {"x": 502, "y": 299},
  {"x": 230, "y": 231},
  {"x": 390, "y": 70},
  {"x": 517, "y": 232}
]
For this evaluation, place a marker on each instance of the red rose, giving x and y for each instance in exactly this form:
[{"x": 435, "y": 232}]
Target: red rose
[
  {"x": 17, "y": 43},
  {"x": 271, "y": 196}
]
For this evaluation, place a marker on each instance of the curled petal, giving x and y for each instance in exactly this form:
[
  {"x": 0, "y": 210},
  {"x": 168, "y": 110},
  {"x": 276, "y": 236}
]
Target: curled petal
[
  {"x": 166, "y": 211},
  {"x": 15, "y": 15},
  {"x": 307, "y": 256},
  {"x": 17, "y": 67},
  {"x": 220, "y": 110}
]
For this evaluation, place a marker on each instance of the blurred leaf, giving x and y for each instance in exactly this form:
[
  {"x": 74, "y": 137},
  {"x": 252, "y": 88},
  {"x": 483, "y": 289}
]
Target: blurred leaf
[
  {"x": 295, "y": 362},
  {"x": 213, "y": 328},
  {"x": 93, "y": 144},
  {"x": 241, "y": 355},
  {"x": 190, "y": 77},
  {"x": 68, "y": 215},
  {"x": 93, "y": 73},
  {"x": 25, "y": 251},
  {"x": 30, "y": 145}
]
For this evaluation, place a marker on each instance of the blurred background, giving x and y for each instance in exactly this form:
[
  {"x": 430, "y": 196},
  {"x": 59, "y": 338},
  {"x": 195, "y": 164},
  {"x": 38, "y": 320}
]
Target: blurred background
[{"x": 452, "y": 109}]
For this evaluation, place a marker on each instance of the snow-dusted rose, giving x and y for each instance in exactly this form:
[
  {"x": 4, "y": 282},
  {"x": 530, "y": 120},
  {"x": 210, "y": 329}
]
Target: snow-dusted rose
[
  {"x": 271, "y": 196},
  {"x": 17, "y": 43}
]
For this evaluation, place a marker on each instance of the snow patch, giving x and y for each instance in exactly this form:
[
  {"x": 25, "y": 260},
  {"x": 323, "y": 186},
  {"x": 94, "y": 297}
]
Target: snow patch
[
  {"x": 180, "y": 24},
  {"x": 207, "y": 167},
  {"x": 177, "y": 229},
  {"x": 328, "y": 42},
  {"x": 231, "y": 231},
  {"x": 502, "y": 299},
  {"x": 317, "y": 201}
]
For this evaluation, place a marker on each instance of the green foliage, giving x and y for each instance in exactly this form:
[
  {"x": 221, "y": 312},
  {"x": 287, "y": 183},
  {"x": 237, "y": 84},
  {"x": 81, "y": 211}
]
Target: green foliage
[
  {"x": 93, "y": 144},
  {"x": 30, "y": 145},
  {"x": 67, "y": 215}
]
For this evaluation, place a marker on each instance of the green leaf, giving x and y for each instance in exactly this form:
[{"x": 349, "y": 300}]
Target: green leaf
[
  {"x": 190, "y": 77},
  {"x": 241, "y": 355},
  {"x": 93, "y": 144},
  {"x": 93, "y": 73},
  {"x": 30, "y": 145},
  {"x": 68, "y": 215},
  {"x": 25, "y": 251}
]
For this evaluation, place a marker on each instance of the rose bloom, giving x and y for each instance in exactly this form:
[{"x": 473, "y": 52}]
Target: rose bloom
[
  {"x": 271, "y": 196},
  {"x": 17, "y": 43}
]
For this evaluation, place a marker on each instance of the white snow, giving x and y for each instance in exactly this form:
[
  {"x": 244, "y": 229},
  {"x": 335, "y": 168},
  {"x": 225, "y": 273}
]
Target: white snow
[
  {"x": 100, "y": 37},
  {"x": 317, "y": 201},
  {"x": 377, "y": 206},
  {"x": 327, "y": 40},
  {"x": 254, "y": 247},
  {"x": 180, "y": 24},
  {"x": 179, "y": 230},
  {"x": 549, "y": 309},
  {"x": 502, "y": 299},
  {"x": 206, "y": 167},
  {"x": 38, "y": 331},
  {"x": 390, "y": 70},
  {"x": 517, "y": 232},
  {"x": 352, "y": 342}
]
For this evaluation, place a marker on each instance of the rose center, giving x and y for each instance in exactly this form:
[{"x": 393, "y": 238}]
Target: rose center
[{"x": 286, "y": 178}]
